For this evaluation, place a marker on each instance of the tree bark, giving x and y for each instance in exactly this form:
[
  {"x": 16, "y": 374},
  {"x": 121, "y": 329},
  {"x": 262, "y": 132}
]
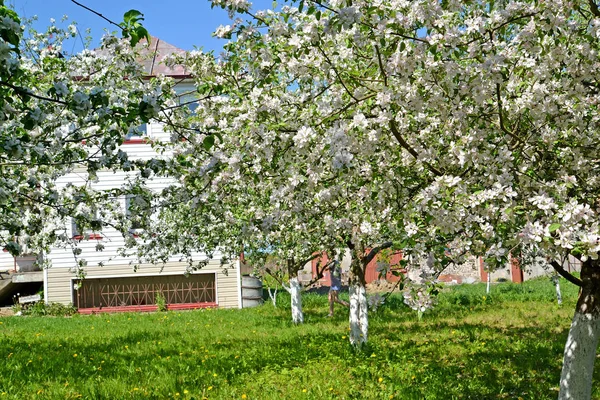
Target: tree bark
[
  {"x": 489, "y": 280},
  {"x": 556, "y": 281},
  {"x": 359, "y": 313},
  {"x": 296, "y": 294},
  {"x": 359, "y": 318},
  {"x": 582, "y": 342},
  {"x": 273, "y": 296}
]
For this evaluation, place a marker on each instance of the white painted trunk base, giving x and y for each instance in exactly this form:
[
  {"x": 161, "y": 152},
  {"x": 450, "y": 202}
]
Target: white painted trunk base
[
  {"x": 489, "y": 281},
  {"x": 557, "y": 287},
  {"x": 296, "y": 293},
  {"x": 580, "y": 354},
  {"x": 359, "y": 317},
  {"x": 273, "y": 296}
]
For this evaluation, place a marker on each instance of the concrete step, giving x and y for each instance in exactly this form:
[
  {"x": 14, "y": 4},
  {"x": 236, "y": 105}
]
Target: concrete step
[
  {"x": 6, "y": 286},
  {"x": 27, "y": 277}
]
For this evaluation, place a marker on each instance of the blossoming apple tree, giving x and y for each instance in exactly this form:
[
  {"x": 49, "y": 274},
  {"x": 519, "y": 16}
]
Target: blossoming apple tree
[
  {"x": 484, "y": 116},
  {"x": 59, "y": 113}
]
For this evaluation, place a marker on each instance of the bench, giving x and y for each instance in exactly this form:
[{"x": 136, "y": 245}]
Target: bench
[{"x": 5, "y": 271}]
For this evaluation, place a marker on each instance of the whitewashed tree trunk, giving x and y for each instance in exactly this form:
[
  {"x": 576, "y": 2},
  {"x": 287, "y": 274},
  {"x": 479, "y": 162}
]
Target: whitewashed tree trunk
[
  {"x": 556, "y": 282},
  {"x": 580, "y": 354},
  {"x": 363, "y": 315},
  {"x": 296, "y": 293},
  {"x": 359, "y": 320},
  {"x": 273, "y": 296},
  {"x": 582, "y": 342},
  {"x": 489, "y": 281}
]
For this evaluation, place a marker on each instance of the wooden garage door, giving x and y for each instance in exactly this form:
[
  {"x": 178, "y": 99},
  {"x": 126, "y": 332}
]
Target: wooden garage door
[{"x": 142, "y": 291}]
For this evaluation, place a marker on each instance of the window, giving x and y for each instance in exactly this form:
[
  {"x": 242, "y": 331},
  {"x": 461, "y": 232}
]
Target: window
[
  {"x": 190, "y": 101},
  {"x": 134, "y": 211},
  {"x": 137, "y": 135},
  {"x": 80, "y": 232},
  {"x": 86, "y": 227}
]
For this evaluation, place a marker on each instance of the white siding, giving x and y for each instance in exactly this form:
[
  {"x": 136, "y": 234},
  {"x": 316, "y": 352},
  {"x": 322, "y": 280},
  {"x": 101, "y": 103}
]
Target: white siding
[
  {"x": 6, "y": 260},
  {"x": 59, "y": 276},
  {"x": 60, "y": 280}
]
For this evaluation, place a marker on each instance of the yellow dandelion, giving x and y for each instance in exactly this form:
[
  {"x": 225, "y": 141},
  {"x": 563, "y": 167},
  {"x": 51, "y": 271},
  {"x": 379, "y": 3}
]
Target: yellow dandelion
[
  {"x": 75, "y": 355},
  {"x": 380, "y": 380},
  {"x": 177, "y": 394},
  {"x": 185, "y": 391},
  {"x": 215, "y": 375},
  {"x": 303, "y": 390},
  {"x": 210, "y": 388},
  {"x": 244, "y": 396},
  {"x": 331, "y": 389},
  {"x": 343, "y": 337},
  {"x": 136, "y": 389}
]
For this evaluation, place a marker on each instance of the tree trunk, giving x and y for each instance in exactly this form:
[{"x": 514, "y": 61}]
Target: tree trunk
[
  {"x": 296, "y": 293},
  {"x": 489, "y": 280},
  {"x": 359, "y": 317},
  {"x": 580, "y": 349},
  {"x": 556, "y": 281},
  {"x": 273, "y": 296}
]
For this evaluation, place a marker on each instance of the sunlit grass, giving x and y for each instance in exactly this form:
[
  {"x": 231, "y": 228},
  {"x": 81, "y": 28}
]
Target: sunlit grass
[{"x": 504, "y": 345}]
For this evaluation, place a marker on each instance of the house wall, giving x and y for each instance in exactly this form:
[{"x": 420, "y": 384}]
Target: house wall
[
  {"x": 59, "y": 284},
  {"x": 6, "y": 260},
  {"x": 107, "y": 262}
]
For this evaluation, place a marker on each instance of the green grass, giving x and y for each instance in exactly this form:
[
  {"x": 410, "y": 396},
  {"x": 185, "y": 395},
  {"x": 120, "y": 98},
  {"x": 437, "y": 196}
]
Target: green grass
[{"x": 507, "y": 345}]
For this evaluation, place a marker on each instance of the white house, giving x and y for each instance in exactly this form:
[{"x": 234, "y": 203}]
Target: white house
[{"x": 115, "y": 286}]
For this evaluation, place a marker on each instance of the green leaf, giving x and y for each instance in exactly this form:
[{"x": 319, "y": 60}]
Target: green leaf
[
  {"x": 132, "y": 16},
  {"x": 554, "y": 227},
  {"x": 208, "y": 142}
]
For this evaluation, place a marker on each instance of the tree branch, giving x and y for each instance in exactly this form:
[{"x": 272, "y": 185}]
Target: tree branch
[
  {"x": 319, "y": 274},
  {"x": 268, "y": 271},
  {"x": 558, "y": 268},
  {"x": 26, "y": 92},
  {"x": 408, "y": 147},
  {"x": 374, "y": 251},
  {"x": 594, "y": 8},
  {"x": 98, "y": 14}
]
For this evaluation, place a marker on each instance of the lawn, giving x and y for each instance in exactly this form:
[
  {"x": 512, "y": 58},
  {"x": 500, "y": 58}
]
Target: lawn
[{"x": 507, "y": 345}]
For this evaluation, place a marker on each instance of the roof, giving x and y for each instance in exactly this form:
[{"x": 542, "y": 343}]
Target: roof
[{"x": 152, "y": 56}]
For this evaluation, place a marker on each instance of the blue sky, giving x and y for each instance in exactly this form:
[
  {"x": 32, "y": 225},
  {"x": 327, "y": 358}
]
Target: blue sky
[{"x": 183, "y": 23}]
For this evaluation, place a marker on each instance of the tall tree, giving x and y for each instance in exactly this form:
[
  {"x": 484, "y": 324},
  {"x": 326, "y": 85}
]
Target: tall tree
[{"x": 495, "y": 105}]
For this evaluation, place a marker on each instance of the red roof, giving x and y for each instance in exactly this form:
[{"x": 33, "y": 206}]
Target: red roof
[{"x": 153, "y": 55}]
